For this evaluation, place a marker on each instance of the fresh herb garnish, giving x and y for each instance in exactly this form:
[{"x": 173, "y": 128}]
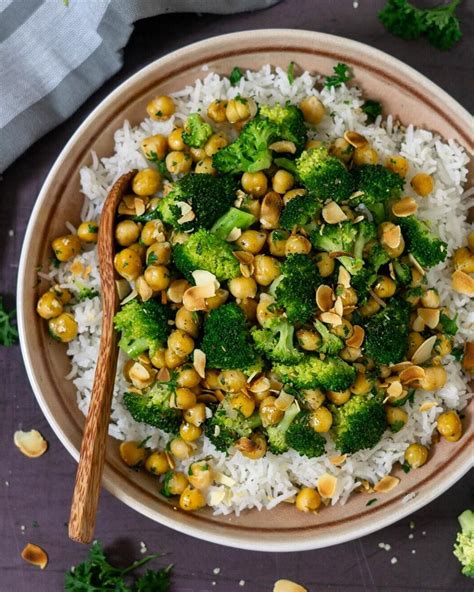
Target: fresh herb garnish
[
  {"x": 342, "y": 74},
  {"x": 241, "y": 100},
  {"x": 144, "y": 442},
  {"x": 152, "y": 258},
  {"x": 406, "y": 467},
  {"x": 160, "y": 164},
  {"x": 372, "y": 501},
  {"x": 450, "y": 326},
  {"x": 8, "y": 330},
  {"x": 55, "y": 262},
  {"x": 458, "y": 353},
  {"x": 235, "y": 76},
  {"x": 291, "y": 72},
  {"x": 86, "y": 294},
  {"x": 372, "y": 109}
]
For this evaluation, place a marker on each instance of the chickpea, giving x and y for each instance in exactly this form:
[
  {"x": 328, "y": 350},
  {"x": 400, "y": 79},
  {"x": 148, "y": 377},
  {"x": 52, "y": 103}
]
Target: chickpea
[
  {"x": 231, "y": 381},
  {"x": 321, "y": 420},
  {"x": 289, "y": 195},
  {"x": 180, "y": 449},
  {"x": 277, "y": 242},
  {"x": 269, "y": 413},
  {"x": 266, "y": 269},
  {"x": 191, "y": 499},
  {"x": 188, "y": 377},
  {"x": 220, "y": 297},
  {"x": 307, "y": 500},
  {"x": 160, "y": 108},
  {"x": 158, "y": 358},
  {"x": 185, "y": 398},
  {"x": 308, "y": 340},
  {"x": 181, "y": 343},
  {"x": 243, "y": 402},
  {"x": 422, "y": 184},
  {"x": 254, "y": 183},
  {"x": 430, "y": 298},
  {"x": 313, "y": 110},
  {"x": 200, "y": 475},
  {"x": 127, "y": 232},
  {"x": 396, "y": 417},
  {"x": 195, "y": 415},
  {"x": 189, "y": 432},
  {"x": 157, "y": 277},
  {"x": 252, "y": 241},
  {"x": 215, "y": 143},
  {"x": 63, "y": 327},
  {"x": 254, "y": 447},
  {"x": 146, "y": 182},
  {"x": 416, "y": 455},
  {"x": 242, "y": 287},
  {"x": 370, "y": 308},
  {"x": 175, "y": 483},
  {"x": 449, "y": 426},
  {"x": 443, "y": 345},
  {"x": 325, "y": 264},
  {"x": 212, "y": 379},
  {"x": 470, "y": 241},
  {"x": 152, "y": 231},
  {"x": 384, "y": 287},
  {"x": 49, "y": 306},
  {"x": 339, "y": 397},
  {"x": 313, "y": 144},
  {"x": 249, "y": 308},
  {"x": 350, "y": 354},
  {"x": 397, "y": 164},
  {"x": 344, "y": 330},
  {"x": 239, "y": 109},
  {"x": 178, "y": 162},
  {"x": 297, "y": 243},
  {"x": 435, "y": 378},
  {"x": 158, "y": 253},
  {"x": 88, "y": 232},
  {"x": 341, "y": 149},
  {"x": 205, "y": 167},
  {"x": 362, "y": 384},
  {"x": 172, "y": 360},
  {"x": 132, "y": 454},
  {"x": 175, "y": 139},
  {"x": 463, "y": 259},
  {"x": 282, "y": 181},
  {"x": 263, "y": 314},
  {"x": 414, "y": 341},
  {"x": 349, "y": 297},
  {"x": 365, "y": 155},
  {"x": 187, "y": 321},
  {"x": 157, "y": 463},
  {"x": 66, "y": 247},
  {"x": 216, "y": 111},
  {"x": 154, "y": 147}
]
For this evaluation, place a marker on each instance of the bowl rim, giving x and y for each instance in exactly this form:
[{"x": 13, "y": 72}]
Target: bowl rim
[{"x": 243, "y": 541}]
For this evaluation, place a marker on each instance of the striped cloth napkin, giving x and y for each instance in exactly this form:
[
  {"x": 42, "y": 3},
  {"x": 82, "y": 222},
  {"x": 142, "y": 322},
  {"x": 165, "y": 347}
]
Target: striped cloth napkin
[{"x": 55, "y": 53}]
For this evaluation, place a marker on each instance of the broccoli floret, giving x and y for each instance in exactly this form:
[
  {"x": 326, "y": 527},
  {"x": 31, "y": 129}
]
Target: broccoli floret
[
  {"x": 196, "y": 131},
  {"x": 386, "y": 333},
  {"x": 425, "y": 246},
  {"x": 227, "y": 425},
  {"x": 331, "y": 344},
  {"x": 226, "y": 341},
  {"x": 403, "y": 272},
  {"x": 377, "y": 256},
  {"x": 366, "y": 231},
  {"x": 209, "y": 197},
  {"x": 144, "y": 326},
  {"x": 378, "y": 185},
  {"x": 359, "y": 423},
  {"x": 301, "y": 437},
  {"x": 204, "y": 250},
  {"x": 153, "y": 407},
  {"x": 290, "y": 122},
  {"x": 294, "y": 289},
  {"x": 334, "y": 237},
  {"x": 331, "y": 373},
  {"x": 300, "y": 211},
  {"x": 249, "y": 152},
  {"x": 464, "y": 545},
  {"x": 275, "y": 341},
  {"x": 324, "y": 175},
  {"x": 234, "y": 218},
  {"x": 362, "y": 281},
  {"x": 277, "y": 433}
]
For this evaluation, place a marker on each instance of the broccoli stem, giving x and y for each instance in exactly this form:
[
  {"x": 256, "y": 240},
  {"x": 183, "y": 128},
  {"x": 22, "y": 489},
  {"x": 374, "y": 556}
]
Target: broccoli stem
[
  {"x": 234, "y": 218},
  {"x": 466, "y": 520}
]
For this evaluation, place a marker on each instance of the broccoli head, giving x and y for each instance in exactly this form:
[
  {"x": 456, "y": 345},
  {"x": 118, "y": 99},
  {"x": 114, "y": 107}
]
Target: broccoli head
[
  {"x": 153, "y": 407},
  {"x": 276, "y": 434},
  {"x": 226, "y": 340},
  {"x": 377, "y": 184},
  {"x": 234, "y": 218},
  {"x": 290, "y": 122},
  {"x": 299, "y": 211},
  {"x": 324, "y": 175},
  {"x": 143, "y": 325},
  {"x": 464, "y": 545},
  {"x": 377, "y": 256},
  {"x": 275, "y": 341},
  {"x": 359, "y": 423},
  {"x": 294, "y": 289},
  {"x": 366, "y": 231},
  {"x": 249, "y": 152},
  {"x": 331, "y": 344},
  {"x": 209, "y": 197},
  {"x": 227, "y": 425},
  {"x": 334, "y": 237},
  {"x": 386, "y": 333},
  {"x": 332, "y": 373},
  {"x": 425, "y": 246},
  {"x": 402, "y": 272},
  {"x": 301, "y": 437},
  {"x": 196, "y": 131},
  {"x": 362, "y": 282},
  {"x": 204, "y": 250}
]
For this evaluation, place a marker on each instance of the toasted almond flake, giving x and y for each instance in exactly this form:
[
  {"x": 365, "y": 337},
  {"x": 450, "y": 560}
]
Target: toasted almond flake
[
  {"x": 283, "y": 146},
  {"x": 416, "y": 264},
  {"x": 288, "y": 586},
  {"x": 188, "y": 217},
  {"x": 338, "y": 460},
  {"x": 219, "y": 395},
  {"x": 339, "y": 306},
  {"x": 331, "y": 318},
  {"x": 216, "y": 497},
  {"x": 199, "y": 362},
  {"x": 348, "y": 309},
  {"x": 426, "y": 406},
  {"x": 205, "y": 278},
  {"x": 335, "y": 254},
  {"x": 129, "y": 201},
  {"x": 395, "y": 390},
  {"x": 357, "y": 337},
  {"x": 324, "y": 297},
  {"x": 326, "y": 485},
  {"x": 233, "y": 235},
  {"x": 430, "y": 316},
  {"x": 344, "y": 277},
  {"x": 260, "y": 384},
  {"x": 139, "y": 372},
  {"x": 164, "y": 375},
  {"x": 223, "y": 479},
  {"x": 404, "y": 207},
  {"x": 418, "y": 324},
  {"x": 139, "y": 206},
  {"x": 133, "y": 294},
  {"x": 123, "y": 288},
  {"x": 386, "y": 484},
  {"x": 143, "y": 289},
  {"x": 270, "y": 210},
  {"x": 333, "y": 214},
  {"x": 392, "y": 271},
  {"x": 358, "y": 219},
  {"x": 411, "y": 374},
  {"x": 194, "y": 297},
  {"x": 423, "y": 352},
  {"x": 400, "y": 366},
  {"x": 124, "y": 210},
  {"x": 244, "y": 257},
  {"x": 462, "y": 283},
  {"x": 284, "y": 400},
  {"x": 31, "y": 444},
  {"x": 392, "y": 236},
  {"x": 355, "y": 139},
  {"x": 35, "y": 555},
  {"x": 246, "y": 270},
  {"x": 356, "y": 194},
  {"x": 241, "y": 195},
  {"x": 377, "y": 299}
]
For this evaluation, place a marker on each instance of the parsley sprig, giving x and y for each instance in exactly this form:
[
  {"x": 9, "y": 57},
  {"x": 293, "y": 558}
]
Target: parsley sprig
[
  {"x": 342, "y": 74},
  {"x": 8, "y": 330}
]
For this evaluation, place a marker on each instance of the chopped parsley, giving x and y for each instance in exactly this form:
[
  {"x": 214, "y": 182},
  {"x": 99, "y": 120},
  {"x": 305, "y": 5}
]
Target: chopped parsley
[
  {"x": 235, "y": 76},
  {"x": 458, "y": 353},
  {"x": 372, "y": 109},
  {"x": 143, "y": 443},
  {"x": 450, "y": 326},
  {"x": 8, "y": 330},
  {"x": 55, "y": 261},
  {"x": 342, "y": 74},
  {"x": 372, "y": 501},
  {"x": 406, "y": 467},
  {"x": 291, "y": 72},
  {"x": 86, "y": 294}
]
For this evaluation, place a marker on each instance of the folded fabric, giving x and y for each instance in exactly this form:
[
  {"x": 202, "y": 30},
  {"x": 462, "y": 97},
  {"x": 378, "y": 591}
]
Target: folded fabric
[{"x": 55, "y": 53}]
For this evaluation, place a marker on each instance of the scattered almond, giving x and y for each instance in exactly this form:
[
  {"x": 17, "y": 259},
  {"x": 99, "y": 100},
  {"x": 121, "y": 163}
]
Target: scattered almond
[
  {"x": 355, "y": 139},
  {"x": 332, "y": 213},
  {"x": 283, "y": 146},
  {"x": 139, "y": 206},
  {"x": 177, "y": 289},
  {"x": 206, "y": 278},
  {"x": 244, "y": 257},
  {"x": 260, "y": 384},
  {"x": 246, "y": 270},
  {"x": 123, "y": 288},
  {"x": 194, "y": 297},
  {"x": 462, "y": 283},
  {"x": 326, "y": 485},
  {"x": 411, "y": 374},
  {"x": 416, "y": 264},
  {"x": 270, "y": 210},
  {"x": 430, "y": 316},
  {"x": 392, "y": 236},
  {"x": 133, "y": 294},
  {"x": 418, "y": 324},
  {"x": 164, "y": 375},
  {"x": 288, "y": 586},
  {"x": 404, "y": 207},
  {"x": 233, "y": 235},
  {"x": 400, "y": 366},
  {"x": 143, "y": 289},
  {"x": 344, "y": 277},
  {"x": 284, "y": 400},
  {"x": 324, "y": 297},
  {"x": 31, "y": 444},
  {"x": 338, "y": 460},
  {"x": 339, "y": 306},
  {"x": 199, "y": 362},
  {"x": 377, "y": 299},
  {"x": 423, "y": 352},
  {"x": 357, "y": 337},
  {"x": 386, "y": 484},
  {"x": 331, "y": 318},
  {"x": 35, "y": 555},
  {"x": 427, "y": 405},
  {"x": 395, "y": 390}
]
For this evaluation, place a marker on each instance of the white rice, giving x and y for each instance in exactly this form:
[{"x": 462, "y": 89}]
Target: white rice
[{"x": 267, "y": 482}]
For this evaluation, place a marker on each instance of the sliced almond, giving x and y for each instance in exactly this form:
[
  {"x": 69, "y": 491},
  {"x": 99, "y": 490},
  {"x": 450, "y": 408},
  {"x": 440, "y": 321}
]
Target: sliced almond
[
  {"x": 195, "y": 297},
  {"x": 123, "y": 288},
  {"x": 418, "y": 324},
  {"x": 326, "y": 485},
  {"x": 404, "y": 207},
  {"x": 199, "y": 362},
  {"x": 386, "y": 484},
  {"x": 331, "y": 318},
  {"x": 188, "y": 217},
  {"x": 358, "y": 219},
  {"x": 426, "y": 406},
  {"x": 462, "y": 283},
  {"x": 344, "y": 277},
  {"x": 133, "y": 294},
  {"x": 333, "y": 214},
  {"x": 233, "y": 235},
  {"x": 260, "y": 384},
  {"x": 356, "y": 194},
  {"x": 206, "y": 278},
  {"x": 411, "y": 374},
  {"x": 392, "y": 236},
  {"x": 416, "y": 264},
  {"x": 430, "y": 316},
  {"x": 216, "y": 497},
  {"x": 246, "y": 270},
  {"x": 31, "y": 444},
  {"x": 400, "y": 366},
  {"x": 244, "y": 257},
  {"x": 139, "y": 206},
  {"x": 324, "y": 297},
  {"x": 395, "y": 390},
  {"x": 392, "y": 271},
  {"x": 124, "y": 210},
  {"x": 284, "y": 400},
  {"x": 139, "y": 372},
  {"x": 35, "y": 555},
  {"x": 468, "y": 359},
  {"x": 283, "y": 146},
  {"x": 177, "y": 289},
  {"x": 164, "y": 375},
  {"x": 143, "y": 289},
  {"x": 338, "y": 460},
  {"x": 339, "y": 306},
  {"x": 357, "y": 337},
  {"x": 377, "y": 299},
  {"x": 424, "y": 351},
  {"x": 355, "y": 139},
  {"x": 270, "y": 210},
  {"x": 288, "y": 586},
  {"x": 224, "y": 479}
]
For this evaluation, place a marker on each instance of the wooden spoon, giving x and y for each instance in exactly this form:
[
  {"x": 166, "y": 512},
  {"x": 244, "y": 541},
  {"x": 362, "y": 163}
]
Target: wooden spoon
[{"x": 91, "y": 462}]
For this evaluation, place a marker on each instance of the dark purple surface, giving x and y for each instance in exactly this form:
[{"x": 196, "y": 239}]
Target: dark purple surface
[{"x": 36, "y": 493}]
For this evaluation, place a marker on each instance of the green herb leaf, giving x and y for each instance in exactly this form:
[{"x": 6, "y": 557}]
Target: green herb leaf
[
  {"x": 235, "y": 76},
  {"x": 450, "y": 326},
  {"x": 458, "y": 353},
  {"x": 342, "y": 74},
  {"x": 87, "y": 294},
  {"x": 144, "y": 442},
  {"x": 8, "y": 330},
  {"x": 372, "y": 501},
  {"x": 372, "y": 109},
  {"x": 406, "y": 467},
  {"x": 154, "y": 581},
  {"x": 291, "y": 72}
]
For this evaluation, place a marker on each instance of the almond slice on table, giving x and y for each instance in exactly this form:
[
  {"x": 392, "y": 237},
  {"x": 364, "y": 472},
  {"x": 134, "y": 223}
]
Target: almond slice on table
[
  {"x": 327, "y": 485},
  {"x": 462, "y": 283},
  {"x": 35, "y": 555},
  {"x": 386, "y": 484},
  {"x": 404, "y": 207},
  {"x": 31, "y": 444},
  {"x": 324, "y": 297},
  {"x": 332, "y": 213},
  {"x": 288, "y": 586},
  {"x": 424, "y": 351}
]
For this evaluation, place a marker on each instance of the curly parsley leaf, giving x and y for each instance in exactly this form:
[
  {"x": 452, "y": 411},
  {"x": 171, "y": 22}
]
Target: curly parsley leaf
[
  {"x": 235, "y": 76},
  {"x": 342, "y": 74},
  {"x": 372, "y": 109},
  {"x": 8, "y": 330},
  {"x": 450, "y": 326},
  {"x": 154, "y": 581},
  {"x": 442, "y": 26}
]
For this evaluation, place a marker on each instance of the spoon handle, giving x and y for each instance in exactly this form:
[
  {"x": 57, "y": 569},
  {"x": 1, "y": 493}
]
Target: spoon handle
[{"x": 91, "y": 462}]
